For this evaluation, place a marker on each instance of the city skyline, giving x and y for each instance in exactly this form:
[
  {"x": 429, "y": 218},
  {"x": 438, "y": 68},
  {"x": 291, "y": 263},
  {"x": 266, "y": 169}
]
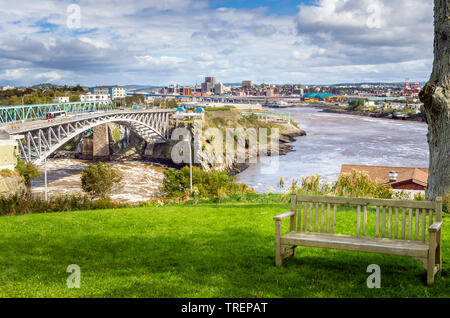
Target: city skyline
[{"x": 160, "y": 43}]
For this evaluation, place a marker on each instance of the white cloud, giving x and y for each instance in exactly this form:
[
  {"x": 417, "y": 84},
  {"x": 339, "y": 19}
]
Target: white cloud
[{"x": 160, "y": 42}]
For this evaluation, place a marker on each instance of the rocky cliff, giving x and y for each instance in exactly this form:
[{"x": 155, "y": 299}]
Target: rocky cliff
[{"x": 10, "y": 182}]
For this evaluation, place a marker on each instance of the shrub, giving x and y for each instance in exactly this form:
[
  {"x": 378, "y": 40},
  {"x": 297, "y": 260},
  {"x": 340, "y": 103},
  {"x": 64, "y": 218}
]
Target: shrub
[
  {"x": 28, "y": 171},
  {"x": 7, "y": 173},
  {"x": 207, "y": 184},
  {"x": 446, "y": 203},
  {"x": 358, "y": 184},
  {"x": 99, "y": 180},
  {"x": 24, "y": 203}
]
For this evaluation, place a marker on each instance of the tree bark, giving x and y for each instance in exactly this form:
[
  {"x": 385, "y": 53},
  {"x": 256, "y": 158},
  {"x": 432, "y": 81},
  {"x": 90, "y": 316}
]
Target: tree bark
[{"x": 436, "y": 99}]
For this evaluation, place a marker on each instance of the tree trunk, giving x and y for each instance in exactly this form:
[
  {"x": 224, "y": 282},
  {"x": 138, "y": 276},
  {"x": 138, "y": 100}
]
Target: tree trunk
[{"x": 436, "y": 99}]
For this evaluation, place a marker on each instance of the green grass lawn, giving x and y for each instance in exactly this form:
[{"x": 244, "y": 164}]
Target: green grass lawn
[{"x": 206, "y": 250}]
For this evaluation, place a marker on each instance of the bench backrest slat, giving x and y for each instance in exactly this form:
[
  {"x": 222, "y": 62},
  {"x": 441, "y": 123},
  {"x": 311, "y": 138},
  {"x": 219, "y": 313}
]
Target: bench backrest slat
[
  {"x": 424, "y": 224},
  {"x": 365, "y": 221},
  {"x": 394, "y": 219},
  {"x": 396, "y": 224},
  {"x": 358, "y": 220},
  {"x": 410, "y": 224}
]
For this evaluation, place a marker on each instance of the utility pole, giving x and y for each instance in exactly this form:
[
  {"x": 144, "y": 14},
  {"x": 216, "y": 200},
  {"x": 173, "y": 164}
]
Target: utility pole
[
  {"x": 45, "y": 177},
  {"x": 190, "y": 162}
]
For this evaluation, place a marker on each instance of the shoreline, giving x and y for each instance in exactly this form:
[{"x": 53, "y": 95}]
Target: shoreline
[{"x": 330, "y": 109}]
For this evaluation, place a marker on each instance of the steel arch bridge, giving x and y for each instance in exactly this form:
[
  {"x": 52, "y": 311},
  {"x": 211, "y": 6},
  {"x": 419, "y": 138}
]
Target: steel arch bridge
[
  {"x": 41, "y": 140},
  {"x": 14, "y": 114}
]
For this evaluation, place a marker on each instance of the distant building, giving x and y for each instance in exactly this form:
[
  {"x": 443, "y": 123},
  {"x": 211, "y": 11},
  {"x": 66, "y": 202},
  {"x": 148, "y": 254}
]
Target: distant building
[
  {"x": 269, "y": 92},
  {"x": 219, "y": 89},
  {"x": 247, "y": 84},
  {"x": 92, "y": 97},
  {"x": 62, "y": 99},
  {"x": 113, "y": 91},
  {"x": 8, "y": 150},
  {"x": 7, "y": 87},
  {"x": 401, "y": 178},
  {"x": 208, "y": 85}
]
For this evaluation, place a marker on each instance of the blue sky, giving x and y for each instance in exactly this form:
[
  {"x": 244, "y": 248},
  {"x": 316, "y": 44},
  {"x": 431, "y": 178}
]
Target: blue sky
[
  {"x": 281, "y": 7},
  {"x": 160, "y": 42}
]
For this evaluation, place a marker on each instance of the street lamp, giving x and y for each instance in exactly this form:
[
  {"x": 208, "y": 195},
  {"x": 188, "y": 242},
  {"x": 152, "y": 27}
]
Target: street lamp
[
  {"x": 190, "y": 160},
  {"x": 45, "y": 177}
]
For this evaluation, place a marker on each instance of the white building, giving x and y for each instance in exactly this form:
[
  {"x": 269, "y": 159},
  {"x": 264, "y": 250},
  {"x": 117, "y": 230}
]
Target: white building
[
  {"x": 62, "y": 99},
  {"x": 113, "y": 91},
  {"x": 220, "y": 89},
  {"x": 5, "y": 88},
  {"x": 8, "y": 150},
  {"x": 93, "y": 97}
]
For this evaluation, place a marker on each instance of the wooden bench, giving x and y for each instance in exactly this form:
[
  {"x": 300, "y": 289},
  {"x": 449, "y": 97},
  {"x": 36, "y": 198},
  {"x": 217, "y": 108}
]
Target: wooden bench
[{"x": 399, "y": 228}]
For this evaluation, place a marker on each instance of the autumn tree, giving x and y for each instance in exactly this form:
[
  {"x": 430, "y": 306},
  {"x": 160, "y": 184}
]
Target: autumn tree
[{"x": 436, "y": 99}]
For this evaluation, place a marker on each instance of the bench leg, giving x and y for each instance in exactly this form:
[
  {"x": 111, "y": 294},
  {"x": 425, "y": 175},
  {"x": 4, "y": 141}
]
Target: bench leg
[
  {"x": 439, "y": 252},
  {"x": 278, "y": 249},
  {"x": 431, "y": 260}
]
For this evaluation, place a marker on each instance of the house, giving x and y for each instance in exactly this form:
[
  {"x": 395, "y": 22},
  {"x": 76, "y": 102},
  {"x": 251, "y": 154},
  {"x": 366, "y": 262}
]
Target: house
[
  {"x": 8, "y": 150},
  {"x": 93, "y": 97},
  {"x": 400, "y": 178},
  {"x": 113, "y": 91},
  {"x": 62, "y": 99}
]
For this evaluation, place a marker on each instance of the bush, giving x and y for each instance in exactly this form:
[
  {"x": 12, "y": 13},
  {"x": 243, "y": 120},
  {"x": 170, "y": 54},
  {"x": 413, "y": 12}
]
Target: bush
[
  {"x": 28, "y": 171},
  {"x": 99, "y": 180},
  {"x": 24, "y": 203},
  {"x": 359, "y": 185},
  {"x": 446, "y": 203},
  {"x": 7, "y": 173},
  {"x": 206, "y": 185}
]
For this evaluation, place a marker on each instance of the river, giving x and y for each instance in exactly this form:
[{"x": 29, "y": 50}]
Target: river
[
  {"x": 333, "y": 140},
  {"x": 140, "y": 180},
  {"x": 336, "y": 139}
]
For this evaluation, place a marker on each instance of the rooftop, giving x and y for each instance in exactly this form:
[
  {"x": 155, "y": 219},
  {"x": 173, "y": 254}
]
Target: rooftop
[{"x": 382, "y": 174}]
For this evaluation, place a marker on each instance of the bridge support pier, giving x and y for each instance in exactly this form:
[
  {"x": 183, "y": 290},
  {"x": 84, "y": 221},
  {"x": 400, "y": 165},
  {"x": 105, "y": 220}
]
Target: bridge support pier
[
  {"x": 96, "y": 146},
  {"x": 100, "y": 142}
]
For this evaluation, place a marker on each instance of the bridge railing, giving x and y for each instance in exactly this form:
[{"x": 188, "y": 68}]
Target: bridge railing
[{"x": 22, "y": 113}]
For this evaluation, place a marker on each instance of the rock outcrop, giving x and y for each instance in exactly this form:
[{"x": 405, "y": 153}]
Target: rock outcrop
[{"x": 11, "y": 183}]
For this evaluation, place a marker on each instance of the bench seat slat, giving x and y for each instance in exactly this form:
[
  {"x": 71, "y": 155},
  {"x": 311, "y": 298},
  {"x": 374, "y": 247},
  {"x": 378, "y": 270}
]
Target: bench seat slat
[{"x": 352, "y": 243}]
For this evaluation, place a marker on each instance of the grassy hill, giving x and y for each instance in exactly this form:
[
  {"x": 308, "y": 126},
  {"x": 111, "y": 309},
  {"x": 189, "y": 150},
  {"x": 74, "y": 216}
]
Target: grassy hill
[{"x": 206, "y": 250}]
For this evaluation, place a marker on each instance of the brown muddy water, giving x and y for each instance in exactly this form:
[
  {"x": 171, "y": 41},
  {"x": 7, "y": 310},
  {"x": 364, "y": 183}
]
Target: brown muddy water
[{"x": 140, "y": 180}]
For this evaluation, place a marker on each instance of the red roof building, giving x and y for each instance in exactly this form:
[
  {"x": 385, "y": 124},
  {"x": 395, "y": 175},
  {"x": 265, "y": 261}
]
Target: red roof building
[{"x": 401, "y": 178}]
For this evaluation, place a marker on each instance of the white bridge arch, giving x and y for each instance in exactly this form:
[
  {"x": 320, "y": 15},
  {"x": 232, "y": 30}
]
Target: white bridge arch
[{"x": 44, "y": 138}]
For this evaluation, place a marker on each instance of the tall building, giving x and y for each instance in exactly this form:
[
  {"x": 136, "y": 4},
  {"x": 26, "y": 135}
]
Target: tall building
[
  {"x": 219, "y": 89},
  {"x": 113, "y": 91},
  {"x": 209, "y": 84}
]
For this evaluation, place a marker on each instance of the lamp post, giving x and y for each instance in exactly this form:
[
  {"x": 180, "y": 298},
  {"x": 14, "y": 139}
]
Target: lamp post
[
  {"x": 190, "y": 160},
  {"x": 45, "y": 177}
]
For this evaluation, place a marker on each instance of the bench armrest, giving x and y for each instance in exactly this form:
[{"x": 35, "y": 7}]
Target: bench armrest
[
  {"x": 283, "y": 216},
  {"x": 435, "y": 227}
]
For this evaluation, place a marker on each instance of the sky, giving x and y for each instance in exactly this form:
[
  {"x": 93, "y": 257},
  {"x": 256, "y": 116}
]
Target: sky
[{"x": 162, "y": 42}]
